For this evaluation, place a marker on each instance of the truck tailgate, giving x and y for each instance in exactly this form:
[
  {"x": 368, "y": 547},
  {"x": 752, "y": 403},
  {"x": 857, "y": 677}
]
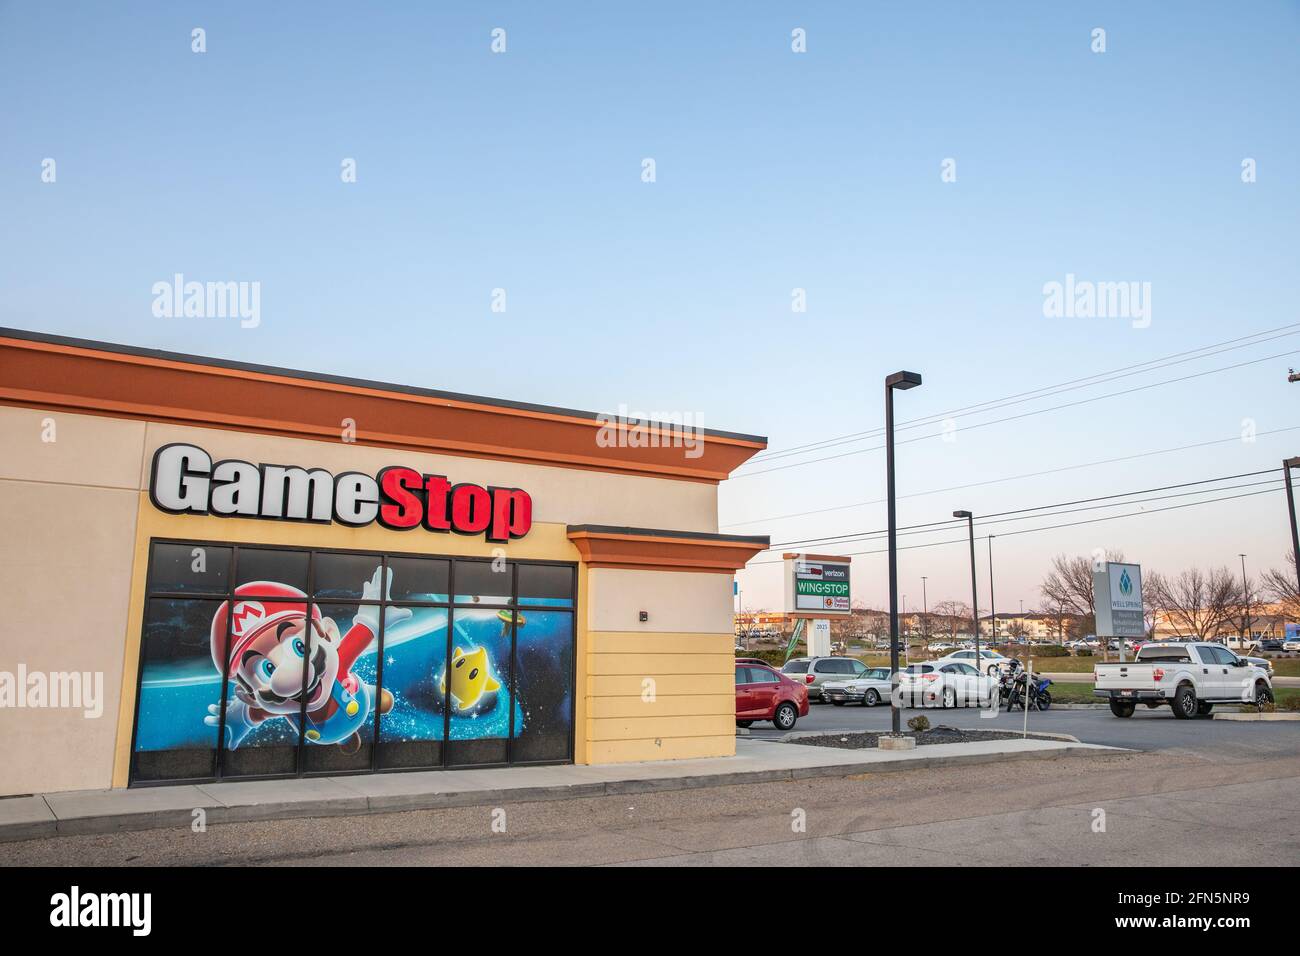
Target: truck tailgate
[{"x": 1125, "y": 676}]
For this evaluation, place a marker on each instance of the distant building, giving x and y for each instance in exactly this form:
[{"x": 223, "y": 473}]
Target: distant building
[{"x": 1034, "y": 625}]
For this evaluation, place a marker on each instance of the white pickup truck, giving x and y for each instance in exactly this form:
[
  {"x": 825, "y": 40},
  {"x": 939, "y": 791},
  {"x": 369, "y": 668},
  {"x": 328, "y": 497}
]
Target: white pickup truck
[{"x": 1190, "y": 677}]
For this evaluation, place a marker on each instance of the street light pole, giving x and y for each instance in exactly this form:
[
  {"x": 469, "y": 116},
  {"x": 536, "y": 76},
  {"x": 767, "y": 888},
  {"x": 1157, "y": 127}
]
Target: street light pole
[
  {"x": 925, "y": 616},
  {"x": 974, "y": 590},
  {"x": 1290, "y": 513},
  {"x": 901, "y": 381},
  {"x": 993, "y": 604},
  {"x": 1245, "y": 602}
]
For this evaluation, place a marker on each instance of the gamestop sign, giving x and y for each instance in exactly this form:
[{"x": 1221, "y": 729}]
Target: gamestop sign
[{"x": 185, "y": 480}]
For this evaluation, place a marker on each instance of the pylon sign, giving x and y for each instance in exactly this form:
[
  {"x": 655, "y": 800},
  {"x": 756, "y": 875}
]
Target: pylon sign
[
  {"x": 1117, "y": 595},
  {"x": 817, "y": 585}
]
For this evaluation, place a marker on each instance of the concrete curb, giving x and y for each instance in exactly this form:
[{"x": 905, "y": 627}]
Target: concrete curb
[
  {"x": 1274, "y": 716},
  {"x": 183, "y": 802}
]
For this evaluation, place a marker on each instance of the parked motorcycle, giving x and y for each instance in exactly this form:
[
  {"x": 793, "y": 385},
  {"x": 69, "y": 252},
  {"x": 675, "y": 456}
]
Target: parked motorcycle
[{"x": 1021, "y": 685}]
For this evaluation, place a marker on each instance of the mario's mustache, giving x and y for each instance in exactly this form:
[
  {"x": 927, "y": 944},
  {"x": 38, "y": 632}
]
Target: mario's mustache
[{"x": 313, "y": 679}]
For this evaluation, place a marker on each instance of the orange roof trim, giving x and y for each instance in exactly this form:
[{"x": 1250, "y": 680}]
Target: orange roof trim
[
  {"x": 647, "y": 549},
  {"x": 95, "y": 378}
]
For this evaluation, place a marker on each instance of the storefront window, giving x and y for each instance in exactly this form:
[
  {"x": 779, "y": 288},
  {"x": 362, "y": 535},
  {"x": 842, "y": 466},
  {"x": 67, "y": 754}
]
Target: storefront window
[
  {"x": 420, "y": 579},
  {"x": 342, "y": 688},
  {"x": 178, "y": 704},
  {"x": 477, "y": 686},
  {"x": 543, "y": 684},
  {"x": 189, "y": 569},
  {"x": 412, "y": 731},
  {"x": 376, "y": 670},
  {"x": 257, "y": 566},
  {"x": 550, "y": 585},
  {"x": 484, "y": 582}
]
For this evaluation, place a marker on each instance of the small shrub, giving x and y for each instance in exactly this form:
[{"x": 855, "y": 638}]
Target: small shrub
[
  {"x": 1049, "y": 650},
  {"x": 920, "y": 723},
  {"x": 1083, "y": 652}
]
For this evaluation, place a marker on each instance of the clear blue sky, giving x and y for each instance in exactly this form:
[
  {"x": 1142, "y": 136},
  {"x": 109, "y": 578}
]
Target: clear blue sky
[{"x": 775, "y": 170}]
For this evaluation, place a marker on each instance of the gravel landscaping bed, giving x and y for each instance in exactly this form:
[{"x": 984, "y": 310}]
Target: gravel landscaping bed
[{"x": 935, "y": 735}]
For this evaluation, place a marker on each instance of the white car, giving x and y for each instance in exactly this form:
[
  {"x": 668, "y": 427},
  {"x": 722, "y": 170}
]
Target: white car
[
  {"x": 1291, "y": 644},
  {"x": 991, "y": 662},
  {"x": 946, "y": 684}
]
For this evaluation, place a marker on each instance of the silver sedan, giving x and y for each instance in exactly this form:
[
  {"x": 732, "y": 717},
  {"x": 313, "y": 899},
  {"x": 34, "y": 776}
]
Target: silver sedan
[{"x": 869, "y": 689}]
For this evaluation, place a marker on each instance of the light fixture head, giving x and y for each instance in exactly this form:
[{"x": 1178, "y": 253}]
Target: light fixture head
[
  {"x": 903, "y": 380},
  {"x": 961, "y": 514}
]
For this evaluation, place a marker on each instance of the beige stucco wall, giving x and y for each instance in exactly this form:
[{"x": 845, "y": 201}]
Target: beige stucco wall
[
  {"x": 76, "y": 523},
  {"x": 65, "y": 574}
]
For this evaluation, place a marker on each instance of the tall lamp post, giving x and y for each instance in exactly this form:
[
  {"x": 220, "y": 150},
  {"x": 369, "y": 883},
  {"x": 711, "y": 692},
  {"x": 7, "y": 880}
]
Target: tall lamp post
[
  {"x": 1290, "y": 513},
  {"x": 1245, "y": 602},
  {"x": 925, "y": 616},
  {"x": 901, "y": 381},
  {"x": 993, "y": 604},
  {"x": 974, "y": 591}
]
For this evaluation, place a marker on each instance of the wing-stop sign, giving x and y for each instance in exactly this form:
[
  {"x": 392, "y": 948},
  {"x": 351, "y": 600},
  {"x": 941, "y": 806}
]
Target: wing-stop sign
[{"x": 817, "y": 585}]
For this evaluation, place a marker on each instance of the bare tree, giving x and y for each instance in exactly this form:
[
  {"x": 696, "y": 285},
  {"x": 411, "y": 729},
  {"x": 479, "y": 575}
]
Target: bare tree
[
  {"x": 1196, "y": 603},
  {"x": 1281, "y": 586},
  {"x": 1068, "y": 588},
  {"x": 953, "y": 615},
  {"x": 1069, "y": 583}
]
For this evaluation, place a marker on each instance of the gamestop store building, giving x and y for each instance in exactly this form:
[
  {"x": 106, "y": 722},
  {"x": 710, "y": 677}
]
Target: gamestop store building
[{"x": 218, "y": 571}]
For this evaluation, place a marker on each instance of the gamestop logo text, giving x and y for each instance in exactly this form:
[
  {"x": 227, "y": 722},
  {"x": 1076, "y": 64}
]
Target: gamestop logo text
[{"x": 185, "y": 480}]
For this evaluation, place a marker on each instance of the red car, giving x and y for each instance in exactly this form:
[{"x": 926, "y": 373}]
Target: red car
[{"x": 763, "y": 693}]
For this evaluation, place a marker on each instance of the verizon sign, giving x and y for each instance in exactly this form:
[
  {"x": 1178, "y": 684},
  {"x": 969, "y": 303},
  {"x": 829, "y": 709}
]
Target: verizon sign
[{"x": 185, "y": 480}]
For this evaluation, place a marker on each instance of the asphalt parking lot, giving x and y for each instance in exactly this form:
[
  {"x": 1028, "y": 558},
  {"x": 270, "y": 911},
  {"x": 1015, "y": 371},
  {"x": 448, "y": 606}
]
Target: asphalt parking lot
[{"x": 1147, "y": 730}]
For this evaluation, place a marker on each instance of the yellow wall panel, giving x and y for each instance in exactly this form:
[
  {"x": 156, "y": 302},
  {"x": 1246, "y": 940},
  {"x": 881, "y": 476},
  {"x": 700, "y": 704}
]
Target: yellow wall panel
[
  {"x": 634, "y": 728},
  {"x": 676, "y": 748},
  {"x": 628, "y": 642},
  {"x": 654, "y": 664},
  {"x": 710, "y": 705},
  {"x": 629, "y": 685}
]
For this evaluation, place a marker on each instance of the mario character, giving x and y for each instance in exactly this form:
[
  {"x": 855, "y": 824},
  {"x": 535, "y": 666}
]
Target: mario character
[{"x": 275, "y": 642}]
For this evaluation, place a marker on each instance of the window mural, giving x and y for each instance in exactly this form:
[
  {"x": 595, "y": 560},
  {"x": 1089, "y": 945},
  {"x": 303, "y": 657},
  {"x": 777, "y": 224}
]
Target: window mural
[{"x": 259, "y": 661}]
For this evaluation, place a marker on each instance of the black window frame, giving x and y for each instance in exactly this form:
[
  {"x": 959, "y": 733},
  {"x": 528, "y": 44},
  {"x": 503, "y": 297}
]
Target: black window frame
[{"x": 451, "y": 604}]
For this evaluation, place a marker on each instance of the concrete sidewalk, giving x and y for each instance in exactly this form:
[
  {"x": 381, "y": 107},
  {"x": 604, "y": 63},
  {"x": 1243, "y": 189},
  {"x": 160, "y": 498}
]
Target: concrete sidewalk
[{"x": 756, "y": 761}]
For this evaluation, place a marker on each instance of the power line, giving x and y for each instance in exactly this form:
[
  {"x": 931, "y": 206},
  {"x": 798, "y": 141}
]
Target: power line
[
  {"x": 1028, "y": 512},
  {"x": 1011, "y": 418},
  {"x": 1031, "y": 474},
  {"x": 1068, "y": 524},
  {"x": 1085, "y": 382}
]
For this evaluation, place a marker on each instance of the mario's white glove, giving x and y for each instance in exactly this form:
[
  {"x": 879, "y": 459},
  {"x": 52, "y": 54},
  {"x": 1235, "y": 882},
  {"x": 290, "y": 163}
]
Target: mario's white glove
[
  {"x": 239, "y": 724},
  {"x": 368, "y": 614}
]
